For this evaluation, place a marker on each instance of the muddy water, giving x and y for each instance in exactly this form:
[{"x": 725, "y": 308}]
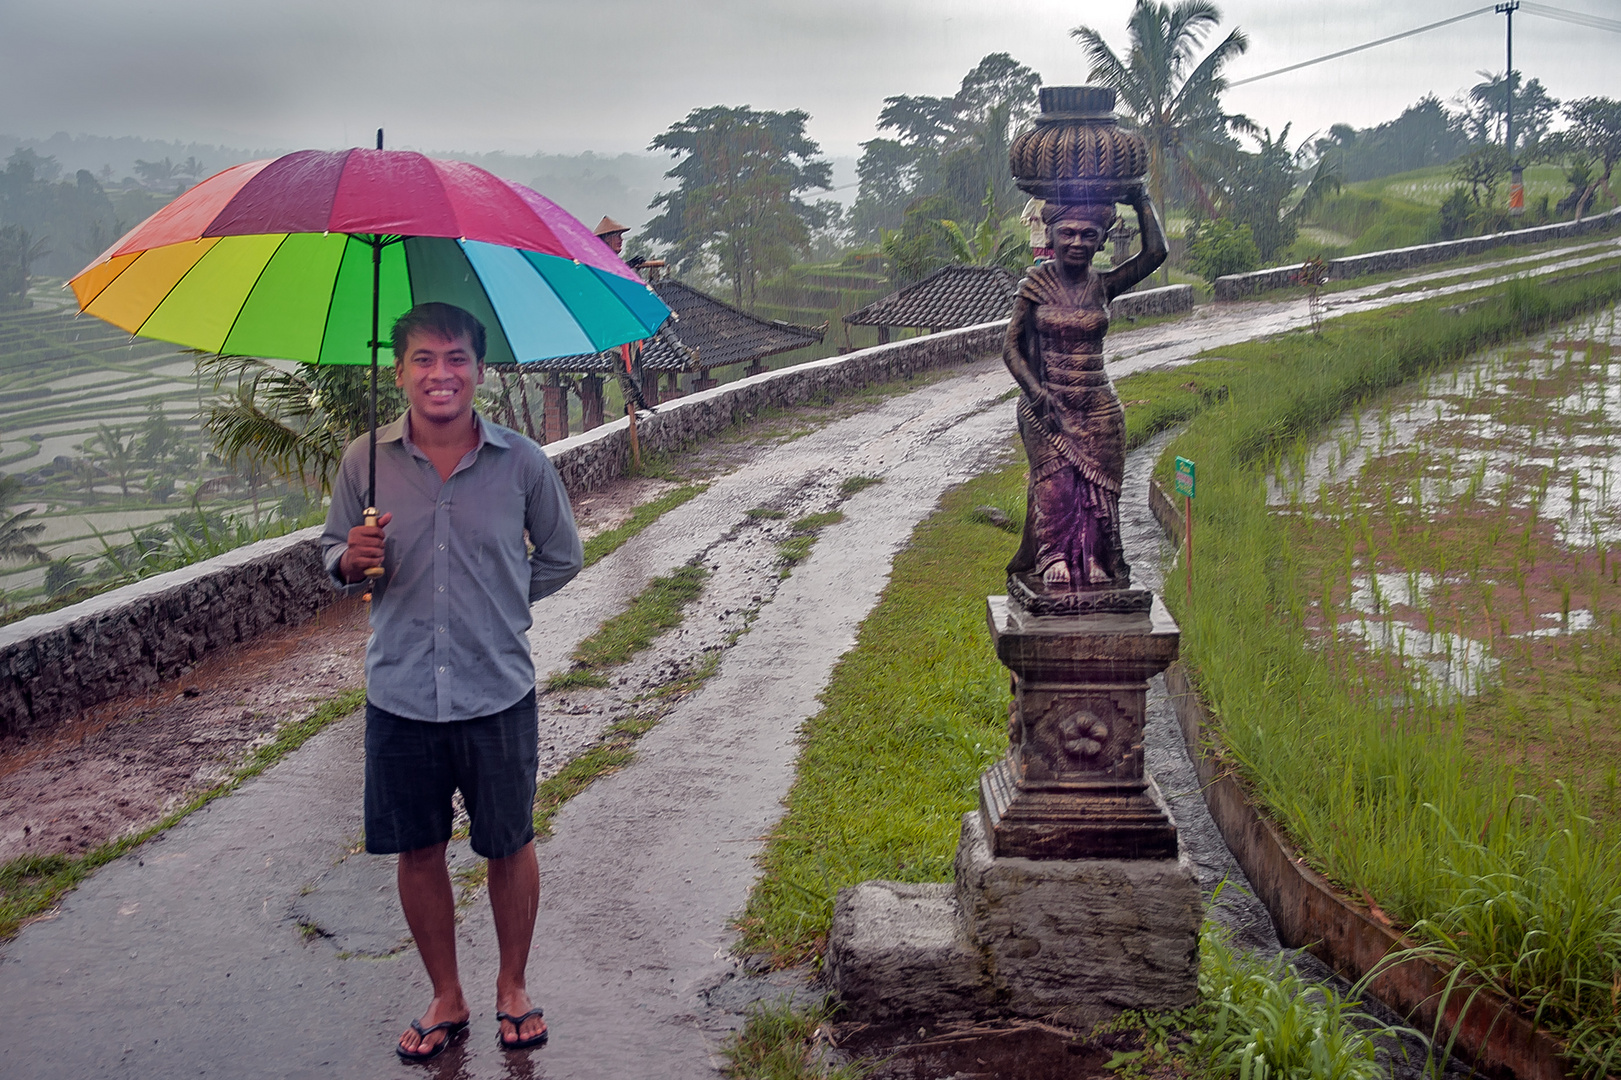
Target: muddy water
[{"x": 1528, "y": 435}]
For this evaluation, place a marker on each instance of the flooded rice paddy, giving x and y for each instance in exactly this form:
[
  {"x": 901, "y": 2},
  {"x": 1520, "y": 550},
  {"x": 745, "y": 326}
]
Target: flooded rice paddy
[{"x": 1462, "y": 539}]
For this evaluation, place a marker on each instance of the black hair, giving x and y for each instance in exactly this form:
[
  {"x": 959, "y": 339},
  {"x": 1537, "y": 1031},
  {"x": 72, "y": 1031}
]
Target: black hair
[{"x": 445, "y": 320}]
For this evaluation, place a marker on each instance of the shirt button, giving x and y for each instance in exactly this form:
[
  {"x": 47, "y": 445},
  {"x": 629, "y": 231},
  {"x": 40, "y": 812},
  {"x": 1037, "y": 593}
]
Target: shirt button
[
  {"x": 441, "y": 588},
  {"x": 441, "y": 669},
  {"x": 441, "y": 547}
]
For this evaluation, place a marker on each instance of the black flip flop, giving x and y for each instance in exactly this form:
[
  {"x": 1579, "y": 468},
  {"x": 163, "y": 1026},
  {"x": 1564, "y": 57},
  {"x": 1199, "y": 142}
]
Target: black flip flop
[
  {"x": 517, "y": 1026},
  {"x": 452, "y": 1028}
]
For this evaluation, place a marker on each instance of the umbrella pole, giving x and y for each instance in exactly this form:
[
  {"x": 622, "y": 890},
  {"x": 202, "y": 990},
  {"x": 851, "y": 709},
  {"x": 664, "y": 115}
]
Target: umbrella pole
[{"x": 371, "y": 462}]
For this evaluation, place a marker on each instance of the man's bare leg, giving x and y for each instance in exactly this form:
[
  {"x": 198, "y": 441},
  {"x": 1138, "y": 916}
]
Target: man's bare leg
[
  {"x": 514, "y": 898},
  {"x": 430, "y": 912}
]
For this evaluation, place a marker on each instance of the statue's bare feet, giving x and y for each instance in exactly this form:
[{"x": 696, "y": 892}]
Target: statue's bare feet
[
  {"x": 1056, "y": 574},
  {"x": 1094, "y": 572}
]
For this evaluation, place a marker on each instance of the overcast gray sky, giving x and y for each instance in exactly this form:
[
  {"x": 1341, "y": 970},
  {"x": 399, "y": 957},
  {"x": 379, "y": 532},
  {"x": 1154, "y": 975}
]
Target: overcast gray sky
[{"x": 607, "y": 75}]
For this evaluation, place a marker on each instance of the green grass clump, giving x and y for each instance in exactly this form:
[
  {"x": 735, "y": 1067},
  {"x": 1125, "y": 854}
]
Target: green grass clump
[
  {"x": 797, "y": 548},
  {"x": 613, "y": 752},
  {"x": 1263, "y": 1021},
  {"x": 853, "y": 484},
  {"x": 776, "y": 1044},
  {"x": 1378, "y": 784},
  {"x": 32, "y": 883},
  {"x": 656, "y": 608},
  {"x": 608, "y": 541},
  {"x": 911, "y": 717}
]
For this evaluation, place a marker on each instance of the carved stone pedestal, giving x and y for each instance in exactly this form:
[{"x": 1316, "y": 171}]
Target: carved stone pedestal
[
  {"x": 1071, "y": 900},
  {"x": 1072, "y": 784}
]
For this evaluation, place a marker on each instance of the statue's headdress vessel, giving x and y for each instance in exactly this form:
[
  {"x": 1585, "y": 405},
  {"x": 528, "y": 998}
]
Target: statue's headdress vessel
[{"x": 1077, "y": 152}]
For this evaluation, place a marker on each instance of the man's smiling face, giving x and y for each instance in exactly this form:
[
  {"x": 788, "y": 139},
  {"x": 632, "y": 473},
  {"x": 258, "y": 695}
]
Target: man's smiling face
[{"x": 439, "y": 376}]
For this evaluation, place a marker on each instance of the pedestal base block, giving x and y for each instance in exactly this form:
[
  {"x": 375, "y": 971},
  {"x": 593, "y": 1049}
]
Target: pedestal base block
[
  {"x": 897, "y": 950},
  {"x": 1080, "y": 939}
]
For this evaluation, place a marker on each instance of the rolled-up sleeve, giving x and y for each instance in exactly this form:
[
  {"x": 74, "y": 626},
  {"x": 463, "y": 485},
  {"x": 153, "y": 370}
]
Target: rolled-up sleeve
[{"x": 558, "y": 555}]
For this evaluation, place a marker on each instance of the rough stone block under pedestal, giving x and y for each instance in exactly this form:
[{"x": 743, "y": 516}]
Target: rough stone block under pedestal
[
  {"x": 1080, "y": 939},
  {"x": 897, "y": 950}
]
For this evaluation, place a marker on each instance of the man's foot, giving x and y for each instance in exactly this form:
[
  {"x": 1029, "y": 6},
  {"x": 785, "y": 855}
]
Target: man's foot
[
  {"x": 427, "y": 1038},
  {"x": 522, "y": 1025}
]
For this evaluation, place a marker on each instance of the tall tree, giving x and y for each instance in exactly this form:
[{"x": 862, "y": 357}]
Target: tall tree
[
  {"x": 19, "y": 251},
  {"x": 1594, "y": 134},
  {"x": 739, "y": 178},
  {"x": 1172, "y": 96},
  {"x": 1534, "y": 110},
  {"x": 1258, "y": 190},
  {"x": 954, "y": 145}
]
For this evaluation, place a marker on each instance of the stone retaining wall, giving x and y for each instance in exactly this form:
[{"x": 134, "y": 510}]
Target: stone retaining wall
[
  {"x": 1170, "y": 300},
  {"x": 54, "y": 666},
  {"x": 1239, "y": 286}
]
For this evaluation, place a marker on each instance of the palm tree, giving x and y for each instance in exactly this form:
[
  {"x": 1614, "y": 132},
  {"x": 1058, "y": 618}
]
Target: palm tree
[
  {"x": 16, "y": 535},
  {"x": 293, "y": 421},
  {"x": 1174, "y": 102}
]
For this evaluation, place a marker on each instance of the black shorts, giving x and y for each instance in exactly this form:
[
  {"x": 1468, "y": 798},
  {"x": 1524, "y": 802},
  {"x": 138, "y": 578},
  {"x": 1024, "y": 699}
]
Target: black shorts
[{"x": 413, "y": 766}]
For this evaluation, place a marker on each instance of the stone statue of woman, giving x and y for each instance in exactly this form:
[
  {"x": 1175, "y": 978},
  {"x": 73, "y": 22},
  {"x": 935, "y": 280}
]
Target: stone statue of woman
[{"x": 1070, "y": 419}]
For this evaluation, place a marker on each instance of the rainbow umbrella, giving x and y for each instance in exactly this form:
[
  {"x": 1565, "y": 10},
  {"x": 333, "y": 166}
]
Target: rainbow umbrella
[{"x": 305, "y": 256}]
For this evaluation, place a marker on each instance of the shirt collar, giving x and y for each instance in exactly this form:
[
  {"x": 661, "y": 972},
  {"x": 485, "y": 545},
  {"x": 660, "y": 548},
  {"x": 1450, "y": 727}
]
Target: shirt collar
[{"x": 399, "y": 431}]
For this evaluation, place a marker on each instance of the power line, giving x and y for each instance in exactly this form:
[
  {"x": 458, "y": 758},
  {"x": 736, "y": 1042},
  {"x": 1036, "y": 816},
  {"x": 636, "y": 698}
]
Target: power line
[
  {"x": 1593, "y": 22},
  {"x": 1579, "y": 18},
  {"x": 1368, "y": 45}
]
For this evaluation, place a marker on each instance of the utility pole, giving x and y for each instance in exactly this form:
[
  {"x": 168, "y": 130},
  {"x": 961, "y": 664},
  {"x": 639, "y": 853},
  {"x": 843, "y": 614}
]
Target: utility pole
[{"x": 1516, "y": 175}]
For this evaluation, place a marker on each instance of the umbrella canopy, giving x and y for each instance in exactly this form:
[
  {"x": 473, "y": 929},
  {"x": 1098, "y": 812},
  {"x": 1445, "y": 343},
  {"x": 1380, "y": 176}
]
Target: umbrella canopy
[{"x": 276, "y": 259}]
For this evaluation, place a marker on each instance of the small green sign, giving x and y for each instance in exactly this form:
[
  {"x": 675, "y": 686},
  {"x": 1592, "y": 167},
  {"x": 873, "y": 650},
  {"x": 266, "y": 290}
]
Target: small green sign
[{"x": 1184, "y": 477}]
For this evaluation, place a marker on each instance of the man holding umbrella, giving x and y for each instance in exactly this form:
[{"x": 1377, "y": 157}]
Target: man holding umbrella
[{"x": 450, "y": 684}]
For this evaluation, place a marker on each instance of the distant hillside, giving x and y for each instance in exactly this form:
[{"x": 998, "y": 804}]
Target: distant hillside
[{"x": 586, "y": 185}]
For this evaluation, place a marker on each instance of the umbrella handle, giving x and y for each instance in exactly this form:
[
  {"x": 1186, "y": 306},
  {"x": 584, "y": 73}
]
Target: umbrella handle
[{"x": 370, "y": 514}]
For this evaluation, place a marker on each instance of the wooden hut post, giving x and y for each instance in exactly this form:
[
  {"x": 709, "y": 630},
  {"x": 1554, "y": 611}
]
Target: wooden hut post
[
  {"x": 590, "y": 402},
  {"x": 523, "y": 399},
  {"x": 556, "y": 408}
]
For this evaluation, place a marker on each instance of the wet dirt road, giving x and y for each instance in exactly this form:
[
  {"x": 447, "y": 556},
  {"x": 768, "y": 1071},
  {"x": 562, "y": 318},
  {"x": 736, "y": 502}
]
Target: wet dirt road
[
  {"x": 247, "y": 943},
  {"x": 250, "y": 942}
]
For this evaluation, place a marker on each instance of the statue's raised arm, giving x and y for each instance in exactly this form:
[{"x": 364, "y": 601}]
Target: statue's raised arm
[{"x": 1149, "y": 257}]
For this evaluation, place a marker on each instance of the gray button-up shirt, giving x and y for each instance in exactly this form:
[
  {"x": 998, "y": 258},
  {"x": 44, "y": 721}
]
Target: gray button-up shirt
[{"x": 450, "y": 613}]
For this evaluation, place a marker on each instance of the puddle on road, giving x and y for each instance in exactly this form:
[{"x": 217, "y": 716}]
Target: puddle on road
[
  {"x": 1477, "y": 510},
  {"x": 987, "y": 1051}
]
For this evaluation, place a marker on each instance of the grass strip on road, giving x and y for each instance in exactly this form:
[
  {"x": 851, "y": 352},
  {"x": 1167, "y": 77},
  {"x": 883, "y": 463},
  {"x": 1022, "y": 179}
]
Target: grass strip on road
[
  {"x": 655, "y": 609},
  {"x": 805, "y": 532},
  {"x": 613, "y": 752},
  {"x": 30, "y": 884},
  {"x": 1381, "y": 789},
  {"x": 608, "y": 541}
]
